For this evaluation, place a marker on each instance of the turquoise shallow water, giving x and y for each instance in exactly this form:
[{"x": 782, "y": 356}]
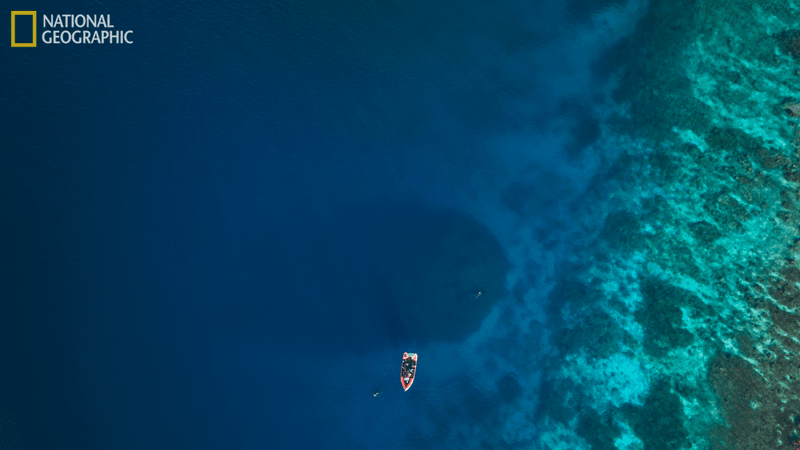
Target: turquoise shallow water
[{"x": 677, "y": 324}]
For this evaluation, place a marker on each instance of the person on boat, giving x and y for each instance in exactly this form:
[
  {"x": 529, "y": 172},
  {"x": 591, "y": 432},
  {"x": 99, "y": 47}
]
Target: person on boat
[{"x": 408, "y": 369}]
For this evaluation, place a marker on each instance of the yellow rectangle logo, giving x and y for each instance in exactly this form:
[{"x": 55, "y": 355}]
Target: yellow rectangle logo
[{"x": 14, "y": 15}]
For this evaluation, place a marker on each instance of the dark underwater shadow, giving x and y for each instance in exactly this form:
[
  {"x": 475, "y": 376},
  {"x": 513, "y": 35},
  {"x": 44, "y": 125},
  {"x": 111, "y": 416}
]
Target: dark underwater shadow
[
  {"x": 378, "y": 276},
  {"x": 428, "y": 267}
]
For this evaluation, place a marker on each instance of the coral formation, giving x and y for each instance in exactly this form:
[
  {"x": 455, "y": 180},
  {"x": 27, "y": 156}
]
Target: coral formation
[{"x": 690, "y": 274}]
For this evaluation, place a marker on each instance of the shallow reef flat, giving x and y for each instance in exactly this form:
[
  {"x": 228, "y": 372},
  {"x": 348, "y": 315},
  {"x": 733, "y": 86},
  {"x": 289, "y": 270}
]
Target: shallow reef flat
[{"x": 677, "y": 323}]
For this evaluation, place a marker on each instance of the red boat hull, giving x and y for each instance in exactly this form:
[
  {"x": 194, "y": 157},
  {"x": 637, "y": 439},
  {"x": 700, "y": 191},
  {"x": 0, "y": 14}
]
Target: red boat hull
[{"x": 408, "y": 370}]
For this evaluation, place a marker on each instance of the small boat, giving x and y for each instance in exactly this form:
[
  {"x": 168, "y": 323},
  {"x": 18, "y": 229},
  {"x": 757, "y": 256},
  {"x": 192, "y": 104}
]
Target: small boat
[{"x": 408, "y": 370}]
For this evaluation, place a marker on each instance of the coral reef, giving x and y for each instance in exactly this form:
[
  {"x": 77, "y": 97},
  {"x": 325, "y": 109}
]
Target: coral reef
[{"x": 680, "y": 327}]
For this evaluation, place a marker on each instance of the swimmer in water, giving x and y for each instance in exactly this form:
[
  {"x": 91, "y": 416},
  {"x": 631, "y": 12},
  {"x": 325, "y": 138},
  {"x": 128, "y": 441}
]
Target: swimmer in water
[
  {"x": 478, "y": 294},
  {"x": 376, "y": 393}
]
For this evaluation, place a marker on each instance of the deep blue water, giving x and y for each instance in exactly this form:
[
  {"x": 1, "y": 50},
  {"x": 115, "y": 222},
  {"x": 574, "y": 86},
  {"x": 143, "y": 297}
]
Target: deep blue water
[{"x": 225, "y": 234}]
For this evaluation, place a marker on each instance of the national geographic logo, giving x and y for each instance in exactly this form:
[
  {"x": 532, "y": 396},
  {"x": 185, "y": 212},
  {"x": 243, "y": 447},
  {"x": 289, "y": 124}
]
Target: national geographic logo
[
  {"x": 66, "y": 29},
  {"x": 22, "y": 37}
]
